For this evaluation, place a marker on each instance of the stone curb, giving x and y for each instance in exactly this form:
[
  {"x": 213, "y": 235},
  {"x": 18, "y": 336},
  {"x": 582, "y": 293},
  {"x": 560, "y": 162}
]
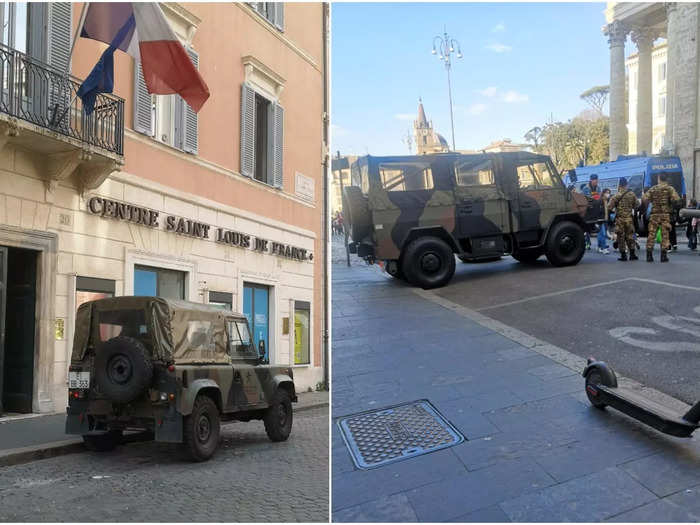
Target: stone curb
[{"x": 18, "y": 456}]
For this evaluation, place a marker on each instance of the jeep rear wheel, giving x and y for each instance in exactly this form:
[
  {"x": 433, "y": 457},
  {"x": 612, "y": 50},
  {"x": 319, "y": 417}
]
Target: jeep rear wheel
[
  {"x": 103, "y": 442},
  {"x": 123, "y": 369},
  {"x": 565, "y": 245},
  {"x": 279, "y": 416},
  {"x": 202, "y": 429},
  {"x": 428, "y": 262}
]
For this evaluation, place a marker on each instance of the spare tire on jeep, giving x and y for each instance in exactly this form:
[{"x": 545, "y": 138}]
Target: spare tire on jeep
[
  {"x": 123, "y": 369},
  {"x": 356, "y": 213}
]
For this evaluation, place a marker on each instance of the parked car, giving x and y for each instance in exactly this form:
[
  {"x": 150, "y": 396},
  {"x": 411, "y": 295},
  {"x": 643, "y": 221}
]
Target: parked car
[{"x": 174, "y": 368}]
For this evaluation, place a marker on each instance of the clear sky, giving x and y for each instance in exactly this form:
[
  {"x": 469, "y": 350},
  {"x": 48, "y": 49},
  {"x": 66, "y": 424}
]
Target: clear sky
[{"x": 522, "y": 63}]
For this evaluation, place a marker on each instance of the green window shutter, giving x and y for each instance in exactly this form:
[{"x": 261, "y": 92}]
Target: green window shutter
[
  {"x": 279, "y": 15},
  {"x": 59, "y": 34},
  {"x": 142, "y": 103},
  {"x": 277, "y": 145},
  {"x": 247, "y": 130},
  {"x": 190, "y": 141}
]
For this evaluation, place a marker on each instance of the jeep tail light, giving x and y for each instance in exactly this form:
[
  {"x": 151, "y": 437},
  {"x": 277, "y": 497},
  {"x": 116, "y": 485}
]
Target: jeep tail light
[
  {"x": 171, "y": 397},
  {"x": 171, "y": 368},
  {"x": 76, "y": 395}
]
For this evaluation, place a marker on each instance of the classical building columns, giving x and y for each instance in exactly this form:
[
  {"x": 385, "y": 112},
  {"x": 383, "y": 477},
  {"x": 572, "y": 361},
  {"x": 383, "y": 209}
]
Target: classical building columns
[
  {"x": 644, "y": 38},
  {"x": 671, "y": 61},
  {"x": 617, "y": 34}
]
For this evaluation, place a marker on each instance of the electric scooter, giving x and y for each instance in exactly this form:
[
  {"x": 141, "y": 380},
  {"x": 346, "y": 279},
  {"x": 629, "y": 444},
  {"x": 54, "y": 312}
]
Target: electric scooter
[{"x": 602, "y": 390}]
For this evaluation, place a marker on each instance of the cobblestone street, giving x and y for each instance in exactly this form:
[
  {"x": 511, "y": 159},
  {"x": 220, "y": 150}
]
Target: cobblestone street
[{"x": 249, "y": 479}]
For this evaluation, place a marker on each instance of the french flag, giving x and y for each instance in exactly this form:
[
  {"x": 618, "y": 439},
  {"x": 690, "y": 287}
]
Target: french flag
[{"x": 142, "y": 30}]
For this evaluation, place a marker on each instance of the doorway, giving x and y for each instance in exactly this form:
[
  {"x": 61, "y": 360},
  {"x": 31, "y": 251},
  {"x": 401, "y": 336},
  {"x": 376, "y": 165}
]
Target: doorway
[
  {"x": 256, "y": 307},
  {"x": 18, "y": 285}
]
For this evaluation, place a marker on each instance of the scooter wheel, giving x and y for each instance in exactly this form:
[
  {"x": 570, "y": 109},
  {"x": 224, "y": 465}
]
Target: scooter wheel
[{"x": 594, "y": 378}]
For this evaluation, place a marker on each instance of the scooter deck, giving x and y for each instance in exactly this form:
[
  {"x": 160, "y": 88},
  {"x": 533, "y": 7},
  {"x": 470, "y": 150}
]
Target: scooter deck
[{"x": 644, "y": 409}]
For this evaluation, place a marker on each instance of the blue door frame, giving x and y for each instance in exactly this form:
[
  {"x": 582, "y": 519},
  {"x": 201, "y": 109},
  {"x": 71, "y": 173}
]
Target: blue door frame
[{"x": 256, "y": 308}]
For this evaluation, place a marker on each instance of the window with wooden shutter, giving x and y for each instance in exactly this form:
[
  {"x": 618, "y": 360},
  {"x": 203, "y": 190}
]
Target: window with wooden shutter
[
  {"x": 279, "y": 15},
  {"x": 277, "y": 145},
  {"x": 191, "y": 141},
  {"x": 247, "y": 130},
  {"x": 59, "y": 34},
  {"x": 143, "y": 105}
]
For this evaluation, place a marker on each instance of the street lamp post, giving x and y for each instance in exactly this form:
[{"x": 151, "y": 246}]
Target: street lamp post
[{"x": 446, "y": 45}]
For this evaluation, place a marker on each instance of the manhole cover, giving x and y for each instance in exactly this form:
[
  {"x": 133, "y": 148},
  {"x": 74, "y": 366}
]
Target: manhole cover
[{"x": 386, "y": 435}]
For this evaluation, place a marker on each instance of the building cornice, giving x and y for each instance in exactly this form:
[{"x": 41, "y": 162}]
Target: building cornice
[{"x": 277, "y": 34}]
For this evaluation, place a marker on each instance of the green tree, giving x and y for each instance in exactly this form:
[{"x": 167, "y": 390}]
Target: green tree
[{"x": 596, "y": 97}]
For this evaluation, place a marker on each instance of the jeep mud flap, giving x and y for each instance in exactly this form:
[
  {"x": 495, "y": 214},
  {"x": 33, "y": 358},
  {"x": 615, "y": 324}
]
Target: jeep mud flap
[
  {"x": 77, "y": 421},
  {"x": 168, "y": 426}
]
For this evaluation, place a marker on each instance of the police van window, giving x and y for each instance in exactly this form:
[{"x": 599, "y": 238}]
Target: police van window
[
  {"x": 535, "y": 175},
  {"x": 474, "y": 173},
  {"x": 406, "y": 176}
]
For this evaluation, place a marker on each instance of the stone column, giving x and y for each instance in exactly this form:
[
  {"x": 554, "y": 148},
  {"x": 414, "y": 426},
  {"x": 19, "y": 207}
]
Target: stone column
[
  {"x": 671, "y": 58},
  {"x": 617, "y": 33},
  {"x": 644, "y": 38}
]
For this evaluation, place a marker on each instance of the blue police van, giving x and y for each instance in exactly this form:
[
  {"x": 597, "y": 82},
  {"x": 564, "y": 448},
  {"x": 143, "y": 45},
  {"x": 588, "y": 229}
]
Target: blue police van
[{"x": 641, "y": 172}]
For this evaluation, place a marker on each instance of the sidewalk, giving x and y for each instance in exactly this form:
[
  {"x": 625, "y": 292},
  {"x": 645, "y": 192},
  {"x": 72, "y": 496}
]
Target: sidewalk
[
  {"x": 28, "y": 439},
  {"x": 535, "y": 450}
]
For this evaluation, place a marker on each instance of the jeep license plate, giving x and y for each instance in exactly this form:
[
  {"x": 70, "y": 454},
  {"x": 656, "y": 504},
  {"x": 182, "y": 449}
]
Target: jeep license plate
[{"x": 79, "y": 380}]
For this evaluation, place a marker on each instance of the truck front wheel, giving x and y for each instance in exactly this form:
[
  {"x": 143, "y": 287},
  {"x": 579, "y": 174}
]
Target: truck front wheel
[
  {"x": 202, "y": 429},
  {"x": 428, "y": 262},
  {"x": 278, "y": 416},
  {"x": 565, "y": 244}
]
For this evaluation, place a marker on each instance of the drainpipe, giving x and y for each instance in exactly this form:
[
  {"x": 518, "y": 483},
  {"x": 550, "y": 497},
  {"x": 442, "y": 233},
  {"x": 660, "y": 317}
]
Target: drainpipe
[{"x": 326, "y": 215}]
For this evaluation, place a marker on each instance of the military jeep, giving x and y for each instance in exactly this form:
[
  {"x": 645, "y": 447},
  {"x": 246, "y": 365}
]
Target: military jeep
[
  {"x": 415, "y": 213},
  {"x": 173, "y": 369}
]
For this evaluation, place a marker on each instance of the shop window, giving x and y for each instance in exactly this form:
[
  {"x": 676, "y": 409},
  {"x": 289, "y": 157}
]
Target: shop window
[
  {"x": 406, "y": 176},
  {"x": 256, "y": 308},
  {"x": 91, "y": 289},
  {"x": 159, "y": 282},
  {"x": 302, "y": 339},
  {"x": 223, "y": 300},
  {"x": 474, "y": 172}
]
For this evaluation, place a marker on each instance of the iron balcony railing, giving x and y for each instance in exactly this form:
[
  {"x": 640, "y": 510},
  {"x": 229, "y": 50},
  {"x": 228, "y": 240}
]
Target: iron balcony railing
[{"x": 41, "y": 94}]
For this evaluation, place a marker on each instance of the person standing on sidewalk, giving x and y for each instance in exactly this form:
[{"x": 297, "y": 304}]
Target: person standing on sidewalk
[
  {"x": 592, "y": 192},
  {"x": 603, "y": 231},
  {"x": 662, "y": 197},
  {"x": 691, "y": 230},
  {"x": 624, "y": 202}
]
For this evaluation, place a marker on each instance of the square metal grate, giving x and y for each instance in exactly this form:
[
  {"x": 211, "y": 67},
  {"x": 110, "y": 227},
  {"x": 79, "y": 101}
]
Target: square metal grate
[{"x": 378, "y": 437}]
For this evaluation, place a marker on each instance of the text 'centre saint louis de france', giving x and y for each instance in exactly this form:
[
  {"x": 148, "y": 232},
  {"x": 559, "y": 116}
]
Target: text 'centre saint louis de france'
[{"x": 148, "y": 217}]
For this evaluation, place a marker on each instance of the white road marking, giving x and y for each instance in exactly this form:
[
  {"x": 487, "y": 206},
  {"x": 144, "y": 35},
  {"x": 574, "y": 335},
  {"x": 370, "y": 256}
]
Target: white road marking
[
  {"x": 674, "y": 323},
  {"x": 555, "y": 294}
]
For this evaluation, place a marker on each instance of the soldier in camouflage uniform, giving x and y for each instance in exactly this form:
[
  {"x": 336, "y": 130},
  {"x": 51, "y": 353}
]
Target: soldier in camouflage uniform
[
  {"x": 624, "y": 202},
  {"x": 662, "y": 198}
]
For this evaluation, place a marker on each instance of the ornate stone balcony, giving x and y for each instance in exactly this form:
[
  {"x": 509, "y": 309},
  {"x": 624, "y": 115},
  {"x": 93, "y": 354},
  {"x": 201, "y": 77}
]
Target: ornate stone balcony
[{"x": 40, "y": 113}]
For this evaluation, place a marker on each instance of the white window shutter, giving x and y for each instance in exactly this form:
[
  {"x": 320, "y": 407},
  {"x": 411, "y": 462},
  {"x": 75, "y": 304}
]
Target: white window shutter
[
  {"x": 142, "y": 102},
  {"x": 247, "y": 130},
  {"x": 59, "y": 35},
  {"x": 277, "y": 145},
  {"x": 178, "y": 112},
  {"x": 190, "y": 143},
  {"x": 279, "y": 15}
]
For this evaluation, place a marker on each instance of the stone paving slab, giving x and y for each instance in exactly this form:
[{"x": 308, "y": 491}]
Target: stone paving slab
[{"x": 535, "y": 451}]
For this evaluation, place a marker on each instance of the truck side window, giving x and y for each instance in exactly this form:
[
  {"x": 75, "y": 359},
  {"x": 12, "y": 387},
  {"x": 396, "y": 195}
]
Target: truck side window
[
  {"x": 474, "y": 172},
  {"x": 406, "y": 176},
  {"x": 535, "y": 175}
]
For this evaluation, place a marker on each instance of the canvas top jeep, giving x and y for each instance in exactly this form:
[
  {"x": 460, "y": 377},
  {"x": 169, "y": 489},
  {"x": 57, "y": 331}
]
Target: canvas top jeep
[
  {"x": 174, "y": 368},
  {"x": 415, "y": 212}
]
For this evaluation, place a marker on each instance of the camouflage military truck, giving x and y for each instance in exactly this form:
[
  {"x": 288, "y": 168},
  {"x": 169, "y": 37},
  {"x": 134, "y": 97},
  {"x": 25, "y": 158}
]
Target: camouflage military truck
[
  {"x": 415, "y": 212},
  {"x": 174, "y": 368}
]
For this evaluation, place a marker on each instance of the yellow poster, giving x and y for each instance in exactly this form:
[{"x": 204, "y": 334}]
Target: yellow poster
[{"x": 298, "y": 339}]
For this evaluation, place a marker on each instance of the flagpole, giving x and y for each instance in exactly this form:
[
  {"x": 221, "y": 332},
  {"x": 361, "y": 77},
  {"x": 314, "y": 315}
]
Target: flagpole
[{"x": 83, "y": 12}]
